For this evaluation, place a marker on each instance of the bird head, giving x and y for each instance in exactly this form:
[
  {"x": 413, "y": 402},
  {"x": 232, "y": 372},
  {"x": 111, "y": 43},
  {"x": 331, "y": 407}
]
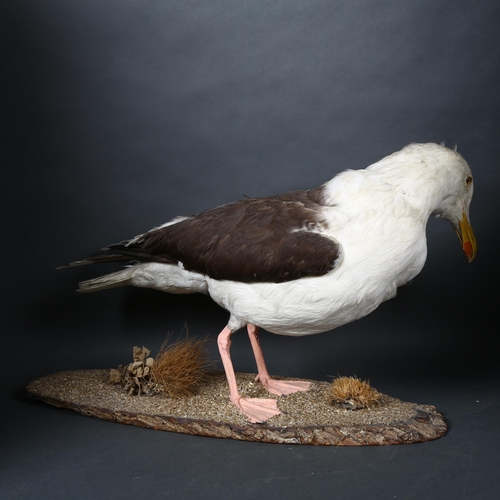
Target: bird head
[
  {"x": 454, "y": 205},
  {"x": 434, "y": 180}
]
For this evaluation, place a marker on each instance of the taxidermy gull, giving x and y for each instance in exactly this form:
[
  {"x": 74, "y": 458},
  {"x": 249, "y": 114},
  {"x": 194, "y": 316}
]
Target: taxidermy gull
[{"x": 303, "y": 262}]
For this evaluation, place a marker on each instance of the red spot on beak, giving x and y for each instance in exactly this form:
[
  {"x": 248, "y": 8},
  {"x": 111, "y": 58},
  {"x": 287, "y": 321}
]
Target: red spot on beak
[{"x": 468, "y": 249}]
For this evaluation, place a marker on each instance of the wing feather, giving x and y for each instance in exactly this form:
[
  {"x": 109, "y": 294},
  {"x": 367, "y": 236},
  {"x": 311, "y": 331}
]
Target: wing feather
[{"x": 273, "y": 239}]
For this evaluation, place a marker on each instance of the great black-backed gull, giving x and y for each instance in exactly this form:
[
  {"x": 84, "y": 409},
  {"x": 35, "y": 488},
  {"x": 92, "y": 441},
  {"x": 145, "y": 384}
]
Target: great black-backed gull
[{"x": 303, "y": 262}]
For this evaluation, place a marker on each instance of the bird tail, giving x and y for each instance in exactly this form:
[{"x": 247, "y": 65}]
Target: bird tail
[
  {"x": 124, "y": 252},
  {"x": 112, "y": 280},
  {"x": 104, "y": 257}
]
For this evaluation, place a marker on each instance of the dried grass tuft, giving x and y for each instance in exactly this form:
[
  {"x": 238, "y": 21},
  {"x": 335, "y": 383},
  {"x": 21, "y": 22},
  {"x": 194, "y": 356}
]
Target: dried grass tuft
[
  {"x": 353, "y": 393},
  {"x": 181, "y": 367},
  {"x": 178, "y": 369}
]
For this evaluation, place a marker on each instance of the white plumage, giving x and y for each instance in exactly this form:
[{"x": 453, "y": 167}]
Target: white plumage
[{"x": 376, "y": 219}]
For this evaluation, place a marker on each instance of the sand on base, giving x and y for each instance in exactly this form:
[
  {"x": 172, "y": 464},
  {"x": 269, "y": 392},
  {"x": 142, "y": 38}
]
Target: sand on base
[{"x": 306, "y": 417}]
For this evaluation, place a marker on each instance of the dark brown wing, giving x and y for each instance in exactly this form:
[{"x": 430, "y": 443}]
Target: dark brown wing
[{"x": 253, "y": 240}]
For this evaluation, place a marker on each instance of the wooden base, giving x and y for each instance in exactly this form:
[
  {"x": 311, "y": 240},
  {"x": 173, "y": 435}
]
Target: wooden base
[{"x": 307, "y": 418}]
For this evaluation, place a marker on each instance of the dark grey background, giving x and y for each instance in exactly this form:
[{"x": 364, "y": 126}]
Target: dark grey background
[{"x": 120, "y": 115}]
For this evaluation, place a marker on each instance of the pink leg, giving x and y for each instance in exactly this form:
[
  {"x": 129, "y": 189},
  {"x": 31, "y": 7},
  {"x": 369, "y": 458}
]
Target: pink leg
[
  {"x": 278, "y": 387},
  {"x": 256, "y": 409}
]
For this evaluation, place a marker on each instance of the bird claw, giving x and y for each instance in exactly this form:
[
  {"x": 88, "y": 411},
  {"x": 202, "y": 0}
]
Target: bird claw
[
  {"x": 284, "y": 387},
  {"x": 257, "y": 409}
]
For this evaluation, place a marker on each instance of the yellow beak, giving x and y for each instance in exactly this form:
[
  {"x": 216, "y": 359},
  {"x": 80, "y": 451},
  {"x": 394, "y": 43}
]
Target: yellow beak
[{"x": 467, "y": 238}]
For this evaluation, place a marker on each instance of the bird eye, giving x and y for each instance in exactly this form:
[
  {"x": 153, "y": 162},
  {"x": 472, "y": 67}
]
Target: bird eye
[{"x": 468, "y": 180}]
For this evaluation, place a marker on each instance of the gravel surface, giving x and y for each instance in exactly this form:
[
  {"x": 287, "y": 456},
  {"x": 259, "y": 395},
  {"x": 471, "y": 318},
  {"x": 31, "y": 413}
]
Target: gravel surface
[{"x": 302, "y": 409}]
